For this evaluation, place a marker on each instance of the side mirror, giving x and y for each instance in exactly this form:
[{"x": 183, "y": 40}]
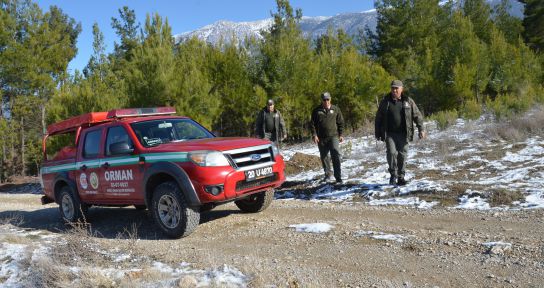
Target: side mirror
[{"x": 120, "y": 148}]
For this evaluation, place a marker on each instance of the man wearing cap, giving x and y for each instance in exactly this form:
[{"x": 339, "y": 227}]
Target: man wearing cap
[
  {"x": 394, "y": 124},
  {"x": 269, "y": 124},
  {"x": 327, "y": 128}
]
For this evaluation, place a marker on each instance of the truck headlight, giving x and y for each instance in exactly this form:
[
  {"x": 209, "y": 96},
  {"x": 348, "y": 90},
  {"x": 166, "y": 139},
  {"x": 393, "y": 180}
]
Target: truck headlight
[
  {"x": 208, "y": 158},
  {"x": 275, "y": 150}
]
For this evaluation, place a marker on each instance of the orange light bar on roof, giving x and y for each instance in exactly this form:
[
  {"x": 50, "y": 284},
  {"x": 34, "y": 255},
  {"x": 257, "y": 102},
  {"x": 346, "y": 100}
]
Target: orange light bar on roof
[{"x": 138, "y": 112}]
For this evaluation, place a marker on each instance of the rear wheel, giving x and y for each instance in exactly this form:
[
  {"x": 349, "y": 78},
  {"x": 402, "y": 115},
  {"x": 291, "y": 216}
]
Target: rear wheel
[
  {"x": 256, "y": 202},
  {"x": 171, "y": 212},
  {"x": 71, "y": 208}
]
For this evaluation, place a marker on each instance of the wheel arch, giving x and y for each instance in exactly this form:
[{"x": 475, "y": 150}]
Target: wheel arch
[
  {"x": 168, "y": 171},
  {"x": 62, "y": 180}
]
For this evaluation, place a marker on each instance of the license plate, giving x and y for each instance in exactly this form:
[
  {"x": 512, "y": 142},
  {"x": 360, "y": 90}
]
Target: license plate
[{"x": 258, "y": 173}]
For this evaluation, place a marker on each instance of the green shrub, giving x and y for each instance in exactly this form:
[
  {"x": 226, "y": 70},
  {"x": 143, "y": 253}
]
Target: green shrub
[
  {"x": 506, "y": 105},
  {"x": 539, "y": 94},
  {"x": 472, "y": 110},
  {"x": 444, "y": 119}
]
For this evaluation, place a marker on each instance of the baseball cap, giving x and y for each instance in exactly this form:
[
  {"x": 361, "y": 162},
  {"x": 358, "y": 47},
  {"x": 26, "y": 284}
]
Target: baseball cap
[
  {"x": 396, "y": 83},
  {"x": 270, "y": 102},
  {"x": 326, "y": 96}
]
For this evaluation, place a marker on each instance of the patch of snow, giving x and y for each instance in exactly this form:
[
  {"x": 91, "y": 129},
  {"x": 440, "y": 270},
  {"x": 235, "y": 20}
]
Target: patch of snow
[
  {"x": 11, "y": 269},
  {"x": 410, "y": 201},
  {"x": 472, "y": 202},
  {"x": 534, "y": 200},
  {"x": 312, "y": 227},
  {"x": 381, "y": 236}
]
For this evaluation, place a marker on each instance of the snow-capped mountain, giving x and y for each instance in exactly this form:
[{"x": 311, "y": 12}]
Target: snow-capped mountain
[{"x": 312, "y": 27}]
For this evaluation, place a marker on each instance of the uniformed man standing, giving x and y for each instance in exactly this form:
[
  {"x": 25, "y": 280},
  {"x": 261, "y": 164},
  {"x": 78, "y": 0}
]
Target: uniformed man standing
[
  {"x": 269, "y": 124},
  {"x": 327, "y": 128},
  {"x": 394, "y": 124}
]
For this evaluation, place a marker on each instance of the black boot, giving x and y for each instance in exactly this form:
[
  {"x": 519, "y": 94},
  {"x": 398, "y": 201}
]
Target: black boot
[
  {"x": 393, "y": 180},
  {"x": 402, "y": 181}
]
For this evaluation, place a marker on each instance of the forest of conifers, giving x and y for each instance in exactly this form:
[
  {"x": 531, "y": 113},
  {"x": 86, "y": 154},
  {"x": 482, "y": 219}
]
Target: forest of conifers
[{"x": 466, "y": 59}]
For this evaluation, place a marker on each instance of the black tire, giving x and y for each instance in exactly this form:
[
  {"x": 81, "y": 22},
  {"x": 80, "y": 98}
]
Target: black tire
[
  {"x": 71, "y": 208},
  {"x": 257, "y": 202},
  {"x": 171, "y": 212},
  {"x": 140, "y": 207}
]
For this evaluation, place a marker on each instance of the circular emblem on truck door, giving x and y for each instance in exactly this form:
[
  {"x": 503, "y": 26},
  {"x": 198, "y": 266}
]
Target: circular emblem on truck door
[
  {"x": 83, "y": 181},
  {"x": 94, "y": 180},
  {"x": 255, "y": 157}
]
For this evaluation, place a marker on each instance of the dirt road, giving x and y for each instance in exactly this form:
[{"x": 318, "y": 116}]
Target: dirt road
[{"x": 438, "y": 247}]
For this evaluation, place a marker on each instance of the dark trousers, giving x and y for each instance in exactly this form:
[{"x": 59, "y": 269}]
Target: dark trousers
[
  {"x": 271, "y": 136},
  {"x": 332, "y": 145},
  {"x": 397, "y": 152}
]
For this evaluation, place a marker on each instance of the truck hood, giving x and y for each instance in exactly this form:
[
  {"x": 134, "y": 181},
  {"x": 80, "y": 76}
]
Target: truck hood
[{"x": 216, "y": 144}]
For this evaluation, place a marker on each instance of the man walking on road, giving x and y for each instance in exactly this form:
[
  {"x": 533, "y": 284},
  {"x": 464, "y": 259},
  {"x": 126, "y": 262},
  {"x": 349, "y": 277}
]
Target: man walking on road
[
  {"x": 394, "y": 124},
  {"x": 270, "y": 124},
  {"x": 327, "y": 128}
]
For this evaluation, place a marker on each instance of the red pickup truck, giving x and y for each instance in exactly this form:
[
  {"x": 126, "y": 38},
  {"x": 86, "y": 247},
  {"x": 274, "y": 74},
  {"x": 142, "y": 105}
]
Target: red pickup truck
[{"x": 153, "y": 160}]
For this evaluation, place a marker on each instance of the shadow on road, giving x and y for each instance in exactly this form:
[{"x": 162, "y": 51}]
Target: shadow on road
[{"x": 104, "y": 222}]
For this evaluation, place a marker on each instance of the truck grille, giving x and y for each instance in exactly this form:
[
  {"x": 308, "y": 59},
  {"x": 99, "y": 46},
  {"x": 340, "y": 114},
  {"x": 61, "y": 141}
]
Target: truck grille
[
  {"x": 245, "y": 158},
  {"x": 243, "y": 184}
]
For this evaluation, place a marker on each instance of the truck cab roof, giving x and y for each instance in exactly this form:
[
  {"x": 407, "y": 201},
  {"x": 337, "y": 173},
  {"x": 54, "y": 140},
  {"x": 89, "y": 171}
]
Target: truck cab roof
[{"x": 95, "y": 118}]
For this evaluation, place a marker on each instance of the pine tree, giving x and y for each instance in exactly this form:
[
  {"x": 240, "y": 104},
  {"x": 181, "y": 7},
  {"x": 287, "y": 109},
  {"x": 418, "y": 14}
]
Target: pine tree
[
  {"x": 194, "y": 93},
  {"x": 229, "y": 72},
  {"x": 127, "y": 29},
  {"x": 150, "y": 73},
  {"x": 509, "y": 25},
  {"x": 405, "y": 29},
  {"x": 533, "y": 22},
  {"x": 479, "y": 14},
  {"x": 288, "y": 71},
  {"x": 462, "y": 65},
  {"x": 34, "y": 63}
]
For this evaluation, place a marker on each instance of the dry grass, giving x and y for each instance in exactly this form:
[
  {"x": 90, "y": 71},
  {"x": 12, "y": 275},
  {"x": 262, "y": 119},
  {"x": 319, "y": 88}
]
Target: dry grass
[
  {"x": 83, "y": 259},
  {"x": 504, "y": 197},
  {"x": 446, "y": 199},
  {"x": 443, "y": 147},
  {"x": 519, "y": 127},
  {"x": 14, "y": 219}
]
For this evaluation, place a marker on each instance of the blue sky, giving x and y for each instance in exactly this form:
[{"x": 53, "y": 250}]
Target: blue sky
[{"x": 183, "y": 15}]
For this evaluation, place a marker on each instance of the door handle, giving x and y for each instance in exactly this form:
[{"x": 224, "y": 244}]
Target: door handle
[
  {"x": 106, "y": 165},
  {"x": 83, "y": 167}
]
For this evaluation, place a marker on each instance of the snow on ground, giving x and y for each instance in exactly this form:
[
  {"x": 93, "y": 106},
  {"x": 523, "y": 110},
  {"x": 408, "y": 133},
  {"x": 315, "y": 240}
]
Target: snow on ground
[
  {"x": 381, "y": 236},
  {"x": 475, "y": 202},
  {"x": 19, "y": 263},
  {"x": 462, "y": 157},
  {"x": 410, "y": 201},
  {"x": 312, "y": 227}
]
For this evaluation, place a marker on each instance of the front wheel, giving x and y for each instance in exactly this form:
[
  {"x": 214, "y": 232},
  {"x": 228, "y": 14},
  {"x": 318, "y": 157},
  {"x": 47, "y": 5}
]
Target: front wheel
[
  {"x": 256, "y": 202},
  {"x": 71, "y": 208},
  {"x": 171, "y": 212}
]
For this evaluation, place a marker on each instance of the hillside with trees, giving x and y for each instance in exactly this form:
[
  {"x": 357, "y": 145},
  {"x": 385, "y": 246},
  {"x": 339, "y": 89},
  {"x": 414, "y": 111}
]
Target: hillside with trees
[{"x": 462, "y": 59}]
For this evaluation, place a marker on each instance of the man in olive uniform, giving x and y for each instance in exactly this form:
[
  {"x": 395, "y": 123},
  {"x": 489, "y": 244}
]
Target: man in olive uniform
[
  {"x": 270, "y": 124},
  {"x": 394, "y": 124},
  {"x": 327, "y": 128}
]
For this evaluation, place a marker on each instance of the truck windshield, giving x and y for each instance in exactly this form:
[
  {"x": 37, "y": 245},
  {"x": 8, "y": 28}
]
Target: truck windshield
[{"x": 156, "y": 132}]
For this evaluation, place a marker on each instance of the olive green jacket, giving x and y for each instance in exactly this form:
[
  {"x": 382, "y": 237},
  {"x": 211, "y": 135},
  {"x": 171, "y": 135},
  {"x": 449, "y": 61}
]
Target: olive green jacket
[
  {"x": 327, "y": 123},
  {"x": 279, "y": 124},
  {"x": 411, "y": 116}
]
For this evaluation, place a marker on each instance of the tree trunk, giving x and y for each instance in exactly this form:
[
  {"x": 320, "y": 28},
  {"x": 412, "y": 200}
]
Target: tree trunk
[
  {"x": 11, "y": 169},
  {"x": 44, "y": 128},
  {"x": 23, "y": 166},
  {"x": 2, "y": 162}
]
